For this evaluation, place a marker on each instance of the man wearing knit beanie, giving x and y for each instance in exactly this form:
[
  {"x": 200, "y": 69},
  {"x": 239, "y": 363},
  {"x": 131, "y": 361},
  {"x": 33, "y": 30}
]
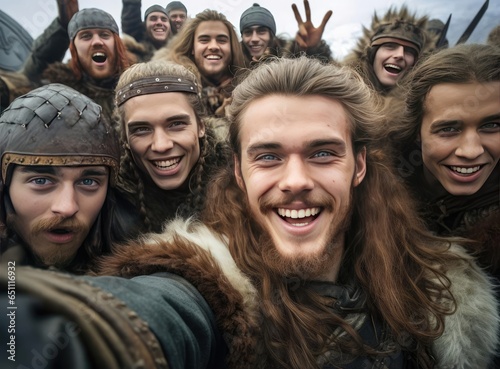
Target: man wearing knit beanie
[
  {"x": 98, "y": 57},
  {"x": 143, "y": 38},
  {"x": 157, "y": 25},
  {"x": 258, "y": 33},
  {"x": 257, "y": 27},
  {"x": 177, "y": 13}
]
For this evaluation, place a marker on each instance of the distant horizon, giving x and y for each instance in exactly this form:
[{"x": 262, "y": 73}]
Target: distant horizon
[{"x": 341, "y": 32}]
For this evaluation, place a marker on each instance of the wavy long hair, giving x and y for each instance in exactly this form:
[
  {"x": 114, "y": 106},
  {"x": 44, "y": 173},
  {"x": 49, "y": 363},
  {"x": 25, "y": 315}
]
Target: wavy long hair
[
  {"x": 458, "y": 65},
  {"x": 122, "y": 61},
  {"x": 389, "y": 253},
  {"x": 213, "y": 153},
  {"x": 181, "y": 47}
]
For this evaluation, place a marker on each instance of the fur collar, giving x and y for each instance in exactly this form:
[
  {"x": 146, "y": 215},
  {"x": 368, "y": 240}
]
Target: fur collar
[
  {"x": 192, "y": 251},
  {"x": 470, "y": 337}
]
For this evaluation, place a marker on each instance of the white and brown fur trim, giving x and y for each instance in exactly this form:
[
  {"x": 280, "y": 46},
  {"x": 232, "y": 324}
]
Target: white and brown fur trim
[{"x": 192, "y": 251}]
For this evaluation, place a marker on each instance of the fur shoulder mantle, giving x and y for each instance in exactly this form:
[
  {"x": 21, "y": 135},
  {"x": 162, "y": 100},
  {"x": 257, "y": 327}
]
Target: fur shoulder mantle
[
  {"x": 470, "y": 337},
  {"x": 191, "y": 250}
]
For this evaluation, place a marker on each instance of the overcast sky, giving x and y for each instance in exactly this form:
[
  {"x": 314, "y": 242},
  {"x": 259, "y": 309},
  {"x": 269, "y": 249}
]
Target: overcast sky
[{"x": 341, "y": 31}]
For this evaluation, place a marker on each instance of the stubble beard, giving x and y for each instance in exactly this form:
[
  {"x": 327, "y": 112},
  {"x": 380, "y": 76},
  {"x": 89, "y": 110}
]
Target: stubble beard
[{"x": 306, "y": 266}]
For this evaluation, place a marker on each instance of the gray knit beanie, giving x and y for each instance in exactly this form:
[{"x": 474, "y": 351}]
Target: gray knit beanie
[
  {"x": 173, "y": 5},
  {"x": 91, "y": 18},
  {"x": 257, "y": 16},
  {"x": 155, "y": 8}
]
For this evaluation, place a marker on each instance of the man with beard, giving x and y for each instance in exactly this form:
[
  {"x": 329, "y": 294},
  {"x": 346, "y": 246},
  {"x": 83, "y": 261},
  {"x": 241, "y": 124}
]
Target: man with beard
[
  {"x": 177, "y": 12},
  {"x": 311, "y": 255},
  {"x": 98, "y": 57},
  {"x": 60, "y": 161},
  {"x": 148, "y": 36}
]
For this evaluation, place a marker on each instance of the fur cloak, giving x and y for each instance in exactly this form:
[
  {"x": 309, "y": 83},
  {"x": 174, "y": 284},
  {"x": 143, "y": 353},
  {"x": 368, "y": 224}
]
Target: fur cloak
[{"x": 200, "y": 256}]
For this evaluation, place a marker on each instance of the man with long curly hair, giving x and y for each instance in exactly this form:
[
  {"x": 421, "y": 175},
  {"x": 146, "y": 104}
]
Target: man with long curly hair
[
  {"x": 208, "y": 45},
  {"x": 347, "y": 275}
]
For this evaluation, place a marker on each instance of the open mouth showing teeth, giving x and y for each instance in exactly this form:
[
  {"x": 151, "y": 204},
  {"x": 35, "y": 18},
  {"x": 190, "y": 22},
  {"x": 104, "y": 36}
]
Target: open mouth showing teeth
[
  {"x": 301, "y": 217},
  {"x": 167, "y": 164},
  {"x": 213, "y": 57},
  {"x": 463, "y": 170},
  {"x": 99, "y": 57},
  {"x": 393, "y": 68}
]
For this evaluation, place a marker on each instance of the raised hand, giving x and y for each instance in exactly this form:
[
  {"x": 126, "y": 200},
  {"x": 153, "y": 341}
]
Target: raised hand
[
  {"x": 66, "y": 8},
  {"x": 308, "y": 36}
]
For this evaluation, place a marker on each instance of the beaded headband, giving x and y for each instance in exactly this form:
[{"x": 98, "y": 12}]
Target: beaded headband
[{"x": 155, "y": 85}]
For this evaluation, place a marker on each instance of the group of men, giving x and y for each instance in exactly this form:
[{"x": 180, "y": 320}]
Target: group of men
[{"x": 309, "y": 254}]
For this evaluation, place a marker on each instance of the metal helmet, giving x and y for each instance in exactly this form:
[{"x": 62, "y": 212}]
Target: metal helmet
[{"x": 56, "y": 125}]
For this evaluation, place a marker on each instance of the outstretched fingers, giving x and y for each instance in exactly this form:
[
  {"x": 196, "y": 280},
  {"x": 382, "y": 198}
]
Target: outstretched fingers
[{"x": 326, "y": 18}]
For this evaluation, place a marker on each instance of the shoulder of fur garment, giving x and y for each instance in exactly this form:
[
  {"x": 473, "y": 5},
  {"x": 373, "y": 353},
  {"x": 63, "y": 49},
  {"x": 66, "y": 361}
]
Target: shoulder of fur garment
[
  {"x": 137, "y": 51},
  {"x": 161, "y": 53},
  {"x": 194, "y": 252},
  {"x": 363, "y": 44},
  {"x": 471, "y": 333}
]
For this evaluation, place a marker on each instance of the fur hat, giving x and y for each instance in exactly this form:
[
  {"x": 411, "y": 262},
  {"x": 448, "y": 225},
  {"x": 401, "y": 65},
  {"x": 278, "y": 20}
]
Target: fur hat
[
  {"x": 91, "y": 18},
  {"x": 398, "y": 24},
  {"x": 173, "y": 5},
  {"x": 155, "y": 8},
  {"x": 257, "y": 16}
]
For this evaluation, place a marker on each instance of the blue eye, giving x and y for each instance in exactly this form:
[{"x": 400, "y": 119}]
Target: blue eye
[
  {"x": 322, "y": 154},
  {"x": 267, "y": 157},
  {"x": 40, "y": 181},
  {"x": 88, "y": 182}
]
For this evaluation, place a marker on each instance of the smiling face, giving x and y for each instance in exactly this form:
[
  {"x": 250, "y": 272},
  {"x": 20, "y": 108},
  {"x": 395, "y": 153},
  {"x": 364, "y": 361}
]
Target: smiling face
[
  {"x": 158, "y": 27},
  {"x": 163, "y": 134},
  {"x": 55, "y": 207},
  {"x": 298, "y": 170},
  {"x": 212, "y": 50},
  {"x": 256, "y": 39},
  {"x": 392, "y": 60},
  {"x": 178, "y": 18},
  {"x": 460, "y": 135},
  {"x": 96, "y": 52}
]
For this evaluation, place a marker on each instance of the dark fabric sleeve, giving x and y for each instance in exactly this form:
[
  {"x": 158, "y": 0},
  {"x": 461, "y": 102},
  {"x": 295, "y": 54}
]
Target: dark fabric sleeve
[
  {"x": 63, "y": 321},
  {"x": 49, "y": 47},
  {"x": 131, "y": 19},
  {"x": 176, "y": 313}
]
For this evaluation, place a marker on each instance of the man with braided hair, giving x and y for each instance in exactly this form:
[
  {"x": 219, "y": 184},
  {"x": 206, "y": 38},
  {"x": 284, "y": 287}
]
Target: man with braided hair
[
  {"x": 171, "y": 148},
  {"x": 60, "y": 162}
]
